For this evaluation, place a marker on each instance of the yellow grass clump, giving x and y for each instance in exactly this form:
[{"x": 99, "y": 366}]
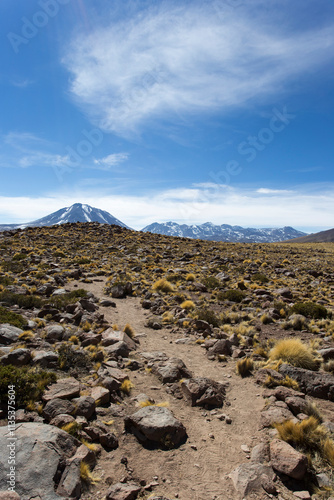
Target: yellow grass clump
[
  {"x": 126, "y": 387},
  {"x": 129, "y": 331},
  {"x": 245, "y": 367},
  {"x": 188, "y": 305},
  {"x": 296, "y": 353},
  {"x": 163, "y": 285}
]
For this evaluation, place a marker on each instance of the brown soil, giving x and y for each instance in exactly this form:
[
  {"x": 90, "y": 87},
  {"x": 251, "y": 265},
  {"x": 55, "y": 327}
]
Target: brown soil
[{"x": 184, "y": 473}]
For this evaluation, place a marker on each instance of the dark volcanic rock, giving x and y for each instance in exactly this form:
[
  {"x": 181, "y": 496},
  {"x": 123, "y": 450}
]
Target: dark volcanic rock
[
  {"x": 156, "y": 425},
  {"x": 316, "y": 384}
]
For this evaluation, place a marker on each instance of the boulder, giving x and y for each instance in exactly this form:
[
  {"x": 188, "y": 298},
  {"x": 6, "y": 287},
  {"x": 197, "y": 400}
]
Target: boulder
[
  {"x": 222, "y": 346},
  {"x": 56, "y": 407},
  {"x": 110, "y": 337},
  {"x": 171, "y": 370},
  {"x": 70, "y": 483},
  {"x": 18, "y": 357},
  {"x": 9, "y": 333},
  {"x": 297, "y": 405},
  {"x": 316, "y": 384},
  {"x": 41, "y": 451},
  {"x": 100, "y": 395},
  {"x": 45, "y": 359},
  {"x": 84, "y": 406},
  {"x": 327, "y": 354},
  {"x": 156, "y": 425},
  {"x": 120, "y": 349},
  {"x": 275, "y": 414},
  {"x": 121, "y": 291},
  {"x": 287, "y": 460},
  {"x": 261, "y": 453},
  {"x": 54, "y": 333},
  {"x": 123, "y": 491},
  {"x": 253, "y": 477},
  {"x": 65, "y": 388},
  {"x": 201, "y": 391}
]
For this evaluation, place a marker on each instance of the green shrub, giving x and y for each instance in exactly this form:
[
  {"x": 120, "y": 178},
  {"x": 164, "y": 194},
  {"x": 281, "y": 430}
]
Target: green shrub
[
  {"x": 211, "y": 282},
  {"x": 70, "y": 357},
  {"x": 232, "y": 295},
  {"x": 13, "y": 319},
  {"x": 260, "y": 278},
  {"x": 310, "y": 310},
  {"x": 29, "y": 383},
  {"x": 5, "y": 280},
  {"x": 23, "y": 301},
  {"x": 61, "y": 301},
  {"x": 209, "y": 316}
]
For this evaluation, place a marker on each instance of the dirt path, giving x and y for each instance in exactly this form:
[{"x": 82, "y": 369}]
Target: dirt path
[{"x": 198, "y": 469}]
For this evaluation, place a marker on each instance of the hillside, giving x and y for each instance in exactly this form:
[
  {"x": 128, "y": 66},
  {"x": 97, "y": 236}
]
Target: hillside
[
  {"x": 150, "y": 367},
  {"x": 321, "y": 237}
]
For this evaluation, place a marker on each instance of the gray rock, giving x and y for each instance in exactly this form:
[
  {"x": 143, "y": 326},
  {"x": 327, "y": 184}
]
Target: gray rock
[
  {"x": 316, "y": 384},
  {"x": 100, "y": 395},
  {"x": 56, "y": 407},
  {"x": 54, "y": 333},
  {"x": 253, "y": 477},
  {"x": 154, "y": 424},
  {"x": 18, "y": 357},
  {"x": 62, "y": 419},
  {"x": 9, "y": 333},
  {"x": 84, "y": 406},
  {"x": 281, "y": 393},
  {"x": 274, "y": 414},
  {"x": 201, "y": 391},
  {"x": 100, "y": 432},
  {"x": 171, "y": 370},
  {"x": 70, "y": 483},
  {"x": 297, "y": 405},
  {"x": 45, "y": 359},
  {"x": 327, "y": 353},
  {"x": 222, "y": 346},
  {"x": 123, "y": 491},
  {"x": 121, "y": 291},
  {"x": 110, "y": 337},
  {"x": 88, "y": 305},
  {"x": 65, "y": 388},
  {"x": 9, "y": 495},
  {"x": 261, "y": 453},
  {"x": 120, "y": 349},
  {"x": 287, "y": 460},
  {"x": 40, "y": 452}
]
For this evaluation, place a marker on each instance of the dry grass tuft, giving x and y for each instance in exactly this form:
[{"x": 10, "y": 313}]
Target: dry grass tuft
[
  {"x": 296, "y": 353},
  {"x": 309, "y": 437},
  {"x": 129, "y": 331},
  {"x": 188, "y": 305},
  {"x": 245, "y": 367},
  {"x": 127, "y": 387},
  {"x": 86, "y": 474},
  {"x": 163, "y": 285}
]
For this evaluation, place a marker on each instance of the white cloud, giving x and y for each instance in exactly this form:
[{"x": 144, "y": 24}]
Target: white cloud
[
  {"x": 244, "y": 207},
  {"x": 183, "y": 60},
  {"x": 110, "y": 161}
]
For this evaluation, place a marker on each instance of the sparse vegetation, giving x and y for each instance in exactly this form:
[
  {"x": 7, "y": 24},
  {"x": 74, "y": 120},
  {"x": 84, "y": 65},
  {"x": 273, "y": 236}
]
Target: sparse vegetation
[
  {"x": 245, "y": 367},
  {"x": 295, "y": 352}
]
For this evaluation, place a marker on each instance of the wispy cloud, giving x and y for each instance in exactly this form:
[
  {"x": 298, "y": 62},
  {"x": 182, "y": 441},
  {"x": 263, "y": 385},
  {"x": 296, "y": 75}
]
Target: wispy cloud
[
  {"x": 301, "y": 208},
  {"x": 22, "y": 84},
  {"x": 183, "y": 60},
  {"x": 111, "y": 161}
]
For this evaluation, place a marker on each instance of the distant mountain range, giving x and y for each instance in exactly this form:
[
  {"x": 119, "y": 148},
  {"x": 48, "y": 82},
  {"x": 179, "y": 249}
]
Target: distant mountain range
[
  {"x": 76, "y": 213},
  {"x": 322, "y": 237},
  {"x": 208, "y": 231}
]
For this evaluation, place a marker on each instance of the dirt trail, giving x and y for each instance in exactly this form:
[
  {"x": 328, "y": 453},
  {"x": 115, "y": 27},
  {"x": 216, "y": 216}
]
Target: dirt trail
[{"x": 198, "y": 469}]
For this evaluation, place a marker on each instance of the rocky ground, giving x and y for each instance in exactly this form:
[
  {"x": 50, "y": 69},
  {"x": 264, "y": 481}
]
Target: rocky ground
[{"x": 147, "y": 366}]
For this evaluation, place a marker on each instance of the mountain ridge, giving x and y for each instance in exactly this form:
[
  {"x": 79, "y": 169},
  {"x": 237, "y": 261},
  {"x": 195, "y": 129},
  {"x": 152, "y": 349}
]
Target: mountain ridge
[{"x": 224, "y": 232}]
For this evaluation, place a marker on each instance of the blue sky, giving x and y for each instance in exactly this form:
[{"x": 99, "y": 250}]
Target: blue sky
[{"x": 192, "y": 111}]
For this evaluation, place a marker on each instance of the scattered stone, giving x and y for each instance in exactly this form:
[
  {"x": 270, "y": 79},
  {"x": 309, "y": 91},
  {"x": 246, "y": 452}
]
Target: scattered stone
[
  {"x": 110, "y": 337},
  {"x": 201, "y": 391},
  {"x": 18, "y": 357},
  {"x": 84, "y": 406},
  {"x": 171, "y": 370},
  {"x": 123, "y": 491},
  {"x": 54, "y": 333},
  {"x": 154, "y": 424},
  {"x": 287, "y": 460},
  {"x": 56, "y": 407},
  {"x": 70, "y": 483},
  {"x": 304, "y": 495},
  {"x": 65, "y": 388},
  {"x": 252, "y": 477},
  {"x": 261, "y": 453},
  {"x": 274, "y": 414},
  {"x": 316, "y": 384},
  {"x": 45, "y": 359},
  {"x": 100, "y": 395},
  {"x": 9, "y": 333}
]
